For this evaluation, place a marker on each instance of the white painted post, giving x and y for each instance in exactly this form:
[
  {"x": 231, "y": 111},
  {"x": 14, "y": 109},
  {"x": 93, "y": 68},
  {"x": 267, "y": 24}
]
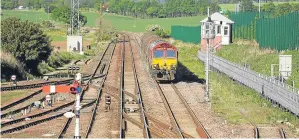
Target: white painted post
[
  {"x": 77, "y": 127},
  {"x": 259, "y": 8}
]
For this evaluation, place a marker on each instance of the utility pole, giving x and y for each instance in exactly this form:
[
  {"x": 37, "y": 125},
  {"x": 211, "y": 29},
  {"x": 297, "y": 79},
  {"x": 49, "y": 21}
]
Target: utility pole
[
  {"x": 207, "y": 65},
  {"x": 259, "y": 8}
]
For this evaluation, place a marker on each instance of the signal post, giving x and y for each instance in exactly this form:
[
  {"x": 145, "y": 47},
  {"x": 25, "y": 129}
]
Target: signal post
[{"x": 75, "y": 89}]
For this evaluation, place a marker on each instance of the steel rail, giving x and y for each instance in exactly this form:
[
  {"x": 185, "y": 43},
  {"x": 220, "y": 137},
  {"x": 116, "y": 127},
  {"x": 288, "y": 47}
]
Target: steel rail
[
  {"x": 122, "y": 125},
  {"x": 20, "y": 100},
  {"x": 169, "y": 111},
  {"x": 28, "y": 97},
  {"x": 20, "y": 109},
  {"x": 138, "y": 92},
  {"x": 65, "y": 127},
  {"x": 36, "y": 115},
  {"x": 282, "y": 133},
  {"x": 24, "y": 99},
  {"x": 91, "y": 121},
  {"x": 37, "y": 85},
  {"x": 255, "y": 129},
  {"x": 24, "y": 126},
  {"x": 202, "y": 132}
]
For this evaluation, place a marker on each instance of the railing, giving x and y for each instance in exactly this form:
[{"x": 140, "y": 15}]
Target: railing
[{"x": 280, "y": 93}]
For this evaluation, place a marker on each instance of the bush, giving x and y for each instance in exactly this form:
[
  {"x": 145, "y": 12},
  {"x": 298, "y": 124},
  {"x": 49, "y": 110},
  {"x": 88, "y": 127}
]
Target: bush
[
  {"x": 162, "y": 33},
  {"x": 154, "y": 27},
  {"x": 47, "y": 24},
  {"x": 11, "y": 66},
  {"x": 58, "y": 59},
  {"x": 43, "y": 68}
]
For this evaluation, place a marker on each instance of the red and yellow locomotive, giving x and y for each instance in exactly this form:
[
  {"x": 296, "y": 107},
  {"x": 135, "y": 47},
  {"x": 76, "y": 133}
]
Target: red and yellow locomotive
[{"x": 161, "y": 56}]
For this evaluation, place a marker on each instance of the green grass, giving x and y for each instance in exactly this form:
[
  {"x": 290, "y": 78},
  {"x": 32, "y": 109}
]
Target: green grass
[
  {"x": 92, "y": 18},
  {"x": 127, "y": 23},
  {"x": 12, "y": 95},
  {"x": 260, "y": 60},
  {"x": 40, "y": 15},
  {"x": 121, "y": 23},
  {"x": 229, "y": 98}
]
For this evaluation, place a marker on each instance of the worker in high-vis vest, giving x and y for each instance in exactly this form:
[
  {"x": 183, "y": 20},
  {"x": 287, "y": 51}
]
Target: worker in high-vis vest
[{"x": 107, "y": 102}]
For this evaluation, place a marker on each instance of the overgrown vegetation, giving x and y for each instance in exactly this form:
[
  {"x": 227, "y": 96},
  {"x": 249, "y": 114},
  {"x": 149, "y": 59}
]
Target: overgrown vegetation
[
  {"x": 25, "y": 41},
  {"x": 260, "y": 60},
  {"x": 158, "y": 30},
  {"x": 58, "y": 59},
  {"x": 11, "y": 66},
  {"x": 229, "y": 98},
  {"x": 63, "y": 14}
]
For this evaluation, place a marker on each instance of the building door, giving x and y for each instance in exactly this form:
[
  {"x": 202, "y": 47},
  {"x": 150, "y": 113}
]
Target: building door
[{"x": 225, "y": 34}]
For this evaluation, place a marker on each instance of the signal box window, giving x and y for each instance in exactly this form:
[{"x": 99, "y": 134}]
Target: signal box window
[
  {"x": 170, "y": 53},
  {"x": 158, "y": 54},
  {"x": 218, "y": 29},
  {"x": 225, "y": 30}
]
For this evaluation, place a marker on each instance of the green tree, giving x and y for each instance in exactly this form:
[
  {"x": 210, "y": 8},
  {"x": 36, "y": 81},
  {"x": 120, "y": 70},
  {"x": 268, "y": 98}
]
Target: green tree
[
  {"x": 295, "y": 7},
  {"x": 26, "y": 41},
  {"x": 246, "y": 5},
  {"x": 282, "y": 9},
  {"x": 268, "y": 7},
  {"x": 9, "y": 4},
  {"x": 63, "y": 14}
]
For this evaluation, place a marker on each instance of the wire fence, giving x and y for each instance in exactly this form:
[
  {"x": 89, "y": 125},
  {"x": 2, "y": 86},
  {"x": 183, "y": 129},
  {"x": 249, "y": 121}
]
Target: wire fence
[{"x": 274, "y": 90}]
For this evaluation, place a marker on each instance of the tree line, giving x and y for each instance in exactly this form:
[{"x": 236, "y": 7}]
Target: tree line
[
  {"x": 38, "y": 4},
  {"x": 154, "y": 9},
  {"x": 270, "y": 7}
]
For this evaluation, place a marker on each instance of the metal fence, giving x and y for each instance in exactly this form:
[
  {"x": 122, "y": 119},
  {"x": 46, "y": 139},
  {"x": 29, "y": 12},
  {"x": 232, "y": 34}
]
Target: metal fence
[
  {"x": 186, "y": 33},
  {"x": 280, "y": 33},
  {"x": 280, "y": 93}
]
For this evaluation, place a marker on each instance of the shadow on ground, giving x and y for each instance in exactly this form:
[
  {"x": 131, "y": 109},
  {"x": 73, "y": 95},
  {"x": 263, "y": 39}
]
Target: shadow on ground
[{"x": 185, "y": 75}]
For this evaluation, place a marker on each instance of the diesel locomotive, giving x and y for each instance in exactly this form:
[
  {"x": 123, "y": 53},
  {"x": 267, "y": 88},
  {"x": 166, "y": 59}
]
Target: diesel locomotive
[{"x": 162, "y": 57}]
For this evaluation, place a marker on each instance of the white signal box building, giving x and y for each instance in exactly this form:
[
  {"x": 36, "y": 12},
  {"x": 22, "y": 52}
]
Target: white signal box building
[{"x": 223, "y": 31}]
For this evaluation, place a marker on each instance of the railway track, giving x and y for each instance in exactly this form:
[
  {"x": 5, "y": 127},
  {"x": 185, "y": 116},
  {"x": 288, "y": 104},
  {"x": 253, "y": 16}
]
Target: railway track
[
  {"x": 130, "y": 107},
  {"x": 37, "y": 85},
  {"x": 87, "y": 116},
  {"x": 182, "y": 116},
  {"x": 266, "y": 132},
  {"x": 29, "y": 99},
  {"x": 32, "y": 120}
]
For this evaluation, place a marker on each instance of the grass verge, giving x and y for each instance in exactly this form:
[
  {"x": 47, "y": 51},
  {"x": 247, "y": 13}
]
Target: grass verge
[
  {"x": 8, "y": 97},
  {"x": 229, "y": 98},
  {"x": 260, "y": 60}
]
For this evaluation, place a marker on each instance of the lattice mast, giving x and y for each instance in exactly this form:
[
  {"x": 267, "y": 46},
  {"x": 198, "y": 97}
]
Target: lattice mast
[{"x": 75, "y": 22}]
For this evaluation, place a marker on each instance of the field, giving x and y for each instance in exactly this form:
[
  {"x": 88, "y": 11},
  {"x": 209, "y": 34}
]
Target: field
[
  {"x": 231, "y": 7},
  {"x": 119, "y": 22},
  {"x": 139, "y": 25},
  {"x": 40, "y": 15}
]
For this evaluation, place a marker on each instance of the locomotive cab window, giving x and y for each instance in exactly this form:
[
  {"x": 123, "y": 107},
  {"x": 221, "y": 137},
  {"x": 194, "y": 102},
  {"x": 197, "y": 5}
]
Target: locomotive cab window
[
  {"x": 158, "y": 53},
  {"x": 170, "y": 53}
]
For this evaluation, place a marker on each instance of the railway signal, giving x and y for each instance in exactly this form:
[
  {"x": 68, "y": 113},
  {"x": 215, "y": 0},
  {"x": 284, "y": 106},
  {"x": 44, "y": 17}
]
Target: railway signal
[
  {"x": 75, "y": 89},
  {"x": 208, "y": 33}
]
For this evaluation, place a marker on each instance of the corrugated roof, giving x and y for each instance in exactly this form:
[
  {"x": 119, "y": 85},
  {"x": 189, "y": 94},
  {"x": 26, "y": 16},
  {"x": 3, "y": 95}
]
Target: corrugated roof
[{"x": 218, "y": 17}]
